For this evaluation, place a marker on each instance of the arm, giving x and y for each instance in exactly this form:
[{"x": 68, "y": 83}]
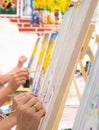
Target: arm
[
  {"x": 4, "y": 92},
  {"x": 4, "y": 78},
  {"x": 15, "y": 81},
  {"x": 9, "y": 121}
]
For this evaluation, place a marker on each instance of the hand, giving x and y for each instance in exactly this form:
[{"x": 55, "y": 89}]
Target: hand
[
  {"x": 17, "y": 79},
  {"x": 6, "y": 77},
  {"x": 19, "y": 65},
  {"x": 19, "y": 99},
  {"x": 21, "y": 61},
  {"x": 29, "y": 113}
]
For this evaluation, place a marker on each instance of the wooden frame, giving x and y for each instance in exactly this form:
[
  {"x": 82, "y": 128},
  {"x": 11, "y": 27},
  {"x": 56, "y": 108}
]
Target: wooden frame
[
  {"x": 9, "y": 8},
  {"x": 88, "y": 113},
  {"x": 67, "y": 50},
  {"x": 25, "y": 8}
]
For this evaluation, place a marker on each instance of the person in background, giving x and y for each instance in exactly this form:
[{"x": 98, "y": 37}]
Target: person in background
[{"x": 27, "y": 112}]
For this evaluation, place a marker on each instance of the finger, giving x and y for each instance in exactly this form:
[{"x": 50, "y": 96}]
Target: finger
[
  {"x": 16, "y": 96},
  {"x": 22, "y": 73},
  {"x": 21, "y": 80},
  {"x": 31, "y": 94},
  {"x": 37, "y": 106},
  {"x": 31, "y": 102},
  {"x": 41, "y": 112},
  {"x": 22, "y": 58},
  {"x": 21, "y": 95},
  {"x": 22, "y": 99}
]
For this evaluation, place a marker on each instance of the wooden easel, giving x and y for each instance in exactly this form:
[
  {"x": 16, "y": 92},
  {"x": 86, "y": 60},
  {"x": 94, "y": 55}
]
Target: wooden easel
[
  {"x": 87, "y": 115},
  {"x": 84, "y": 49},
  {"x": 67, "y": 55}
]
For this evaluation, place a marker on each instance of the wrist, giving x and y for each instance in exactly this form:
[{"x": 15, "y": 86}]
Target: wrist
[
  {"x": 17, "y": 128},
  {"x": 9, "y": 90},
  {"x": 12, "y": 119},
  {"x": 4, "y": 78}
]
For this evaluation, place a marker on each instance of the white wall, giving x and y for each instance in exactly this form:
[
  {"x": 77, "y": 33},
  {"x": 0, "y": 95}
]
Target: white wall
[{"x": 13, "y": 44}]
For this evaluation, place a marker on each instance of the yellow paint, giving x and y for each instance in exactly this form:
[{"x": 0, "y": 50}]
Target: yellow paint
[{"x": 6, "y": 2}]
